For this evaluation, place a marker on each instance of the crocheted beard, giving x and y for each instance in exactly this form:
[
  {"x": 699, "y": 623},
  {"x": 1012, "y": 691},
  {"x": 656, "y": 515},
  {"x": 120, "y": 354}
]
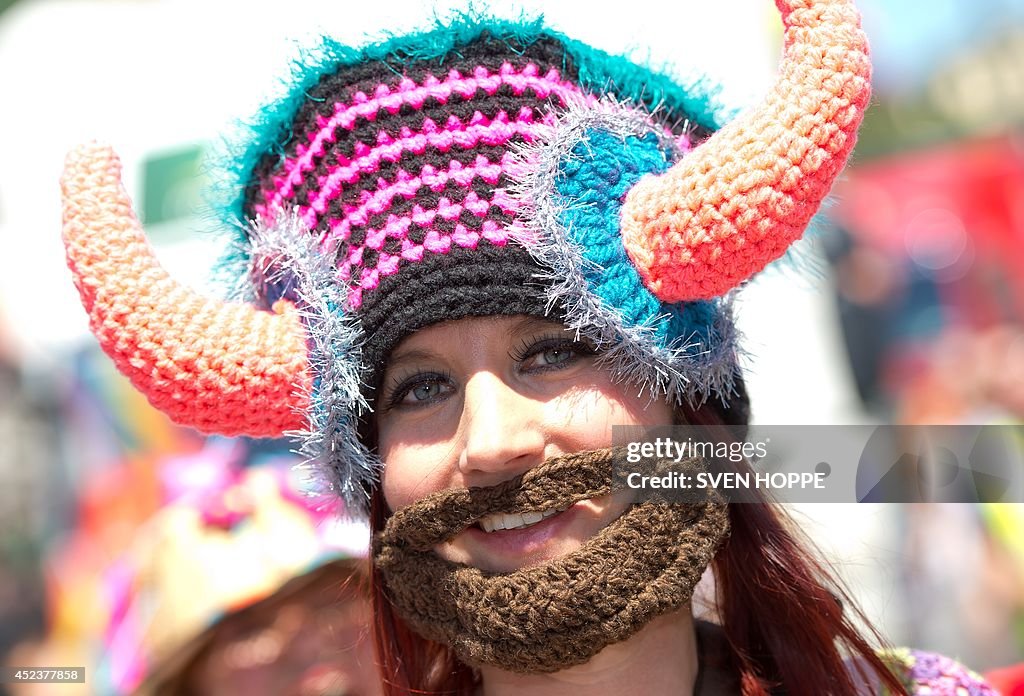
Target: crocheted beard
[
  {"x": 563, "y": 612},
  {"x": 481, "y": 168}
]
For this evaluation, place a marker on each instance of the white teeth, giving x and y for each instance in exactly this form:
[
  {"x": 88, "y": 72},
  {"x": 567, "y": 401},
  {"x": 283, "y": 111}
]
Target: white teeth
[
  {"x": 532, "y": 517},
  {"x": 492, "y": 523}
]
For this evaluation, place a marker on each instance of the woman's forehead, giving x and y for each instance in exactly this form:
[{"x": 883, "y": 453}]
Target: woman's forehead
[{"x": 472, "y": 328}]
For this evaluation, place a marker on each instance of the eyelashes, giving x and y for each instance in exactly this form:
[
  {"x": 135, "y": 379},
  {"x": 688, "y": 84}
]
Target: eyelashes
[
  {"x": 403, "y": 385},
  {"x": 551, "y": 343},
  {"x": 534, "y": 355}
]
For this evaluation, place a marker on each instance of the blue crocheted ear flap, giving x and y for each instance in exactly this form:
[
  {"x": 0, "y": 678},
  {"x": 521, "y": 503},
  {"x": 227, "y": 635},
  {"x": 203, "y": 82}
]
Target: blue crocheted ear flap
[{"x": 572, "y": 181}]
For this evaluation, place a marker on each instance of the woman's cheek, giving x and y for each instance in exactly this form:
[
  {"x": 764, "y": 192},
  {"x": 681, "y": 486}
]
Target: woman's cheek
[
  {"x": 410, "y": 474},
  {"x": 579, "y": 411},
  {"x": 587, "y": 416},
  {"x": 393, "y": 495},
  {"x": 397, "y": 483}
]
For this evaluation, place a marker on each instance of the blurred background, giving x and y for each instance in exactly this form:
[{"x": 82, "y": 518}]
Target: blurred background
[{"x": 906, "y": 306}]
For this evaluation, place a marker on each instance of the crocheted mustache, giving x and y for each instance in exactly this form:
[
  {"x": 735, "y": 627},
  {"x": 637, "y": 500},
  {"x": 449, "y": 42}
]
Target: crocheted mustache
[{"x": 563, "y": 612}]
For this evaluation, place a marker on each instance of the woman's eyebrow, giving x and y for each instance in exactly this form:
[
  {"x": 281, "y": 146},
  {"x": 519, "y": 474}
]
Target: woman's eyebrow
[
  {"x": 525, "y": 324},
  {"x": 409, "y": 355}
]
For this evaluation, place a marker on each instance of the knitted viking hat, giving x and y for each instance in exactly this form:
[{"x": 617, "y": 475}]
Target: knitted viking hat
[{"x": 481, "y": 168}]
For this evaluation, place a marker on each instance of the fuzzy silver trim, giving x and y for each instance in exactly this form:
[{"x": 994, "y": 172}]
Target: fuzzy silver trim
[
  {"x": 283, "y": 250},
  {"x": 684, "y": 368}
]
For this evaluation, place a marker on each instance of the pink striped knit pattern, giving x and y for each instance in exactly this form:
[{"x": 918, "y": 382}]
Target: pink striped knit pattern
[{"x": 387, "y": 207}]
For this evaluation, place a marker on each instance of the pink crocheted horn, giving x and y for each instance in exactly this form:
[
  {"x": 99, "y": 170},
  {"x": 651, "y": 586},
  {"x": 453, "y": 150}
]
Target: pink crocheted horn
[
  {"x": 739, "y": 200},
  {"x": 218, "y": 367}
]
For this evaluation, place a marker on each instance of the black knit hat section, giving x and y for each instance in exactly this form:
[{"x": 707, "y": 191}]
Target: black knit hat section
[{"x": 463, "y": 283}]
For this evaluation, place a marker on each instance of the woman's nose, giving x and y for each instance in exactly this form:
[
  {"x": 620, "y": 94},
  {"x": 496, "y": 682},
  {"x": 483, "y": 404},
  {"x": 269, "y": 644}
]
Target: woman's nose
[{"x": 501, "y": 429}]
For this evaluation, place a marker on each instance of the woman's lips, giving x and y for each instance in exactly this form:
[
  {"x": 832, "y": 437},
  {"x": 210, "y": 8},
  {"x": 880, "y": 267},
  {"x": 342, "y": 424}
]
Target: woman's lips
[{"x": 516, "y": 545}]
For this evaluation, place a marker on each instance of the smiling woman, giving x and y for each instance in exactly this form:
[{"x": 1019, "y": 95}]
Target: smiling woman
[
  {"x": 482, "y": 247},
  {"x": 476, "y": 402}
]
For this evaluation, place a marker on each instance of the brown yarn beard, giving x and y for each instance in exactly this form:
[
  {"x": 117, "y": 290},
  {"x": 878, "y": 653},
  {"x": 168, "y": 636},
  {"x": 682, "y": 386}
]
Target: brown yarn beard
[{"x": 563, "y": 612}]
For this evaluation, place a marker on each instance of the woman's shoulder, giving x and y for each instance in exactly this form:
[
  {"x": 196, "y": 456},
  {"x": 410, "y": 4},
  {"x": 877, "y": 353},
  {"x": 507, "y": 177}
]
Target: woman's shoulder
[{"x": 924, "y": 672}]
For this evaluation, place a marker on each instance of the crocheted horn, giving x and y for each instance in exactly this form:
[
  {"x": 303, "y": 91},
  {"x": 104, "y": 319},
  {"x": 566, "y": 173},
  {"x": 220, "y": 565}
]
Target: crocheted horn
[
  {"x": 218, "y": 367},
  {"x": 739, "y": 200}
]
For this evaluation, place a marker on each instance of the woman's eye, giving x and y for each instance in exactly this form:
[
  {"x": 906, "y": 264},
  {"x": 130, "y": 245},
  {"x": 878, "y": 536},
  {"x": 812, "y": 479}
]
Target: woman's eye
[
  {"x": 424, "y": 392},
  {"x": 552, "y": 356},
  {"x": 550, "y": 353},
  {"x": 420, "y": 390}
]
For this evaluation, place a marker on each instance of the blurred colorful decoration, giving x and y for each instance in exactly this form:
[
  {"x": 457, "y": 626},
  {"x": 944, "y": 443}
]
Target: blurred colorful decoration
[
  {"x": 163, "y": 547},
  {"x": 28, "y": 459},
  {"x": 94, "y": 481},
  {"x": 930, "y": 252},
  {"x": 1009, "y": 681},
  {"x": 109, "y": 419},
  {"x": 954, "y": 212},
  {"x": 227, "y": 537}
]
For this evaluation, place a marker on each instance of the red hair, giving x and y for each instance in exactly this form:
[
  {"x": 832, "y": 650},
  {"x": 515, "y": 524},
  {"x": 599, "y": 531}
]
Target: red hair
[{"x": 786, "y": 618}]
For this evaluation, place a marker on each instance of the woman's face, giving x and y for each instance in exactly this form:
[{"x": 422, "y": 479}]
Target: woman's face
[{"x": 478, "y": 401}]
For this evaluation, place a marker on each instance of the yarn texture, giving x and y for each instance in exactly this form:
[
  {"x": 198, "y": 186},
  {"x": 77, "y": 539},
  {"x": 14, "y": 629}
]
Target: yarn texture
[
  {"x": 572, "y": 181},
  {"x": 480, "y": 168},
  {"x": 223, "y": 368},
  {"x": 727, "y": 210},
  {"x": 565, "y": 611},
  {"x": 401, "y": 169},
  {"x": 930, "y": 673}
]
